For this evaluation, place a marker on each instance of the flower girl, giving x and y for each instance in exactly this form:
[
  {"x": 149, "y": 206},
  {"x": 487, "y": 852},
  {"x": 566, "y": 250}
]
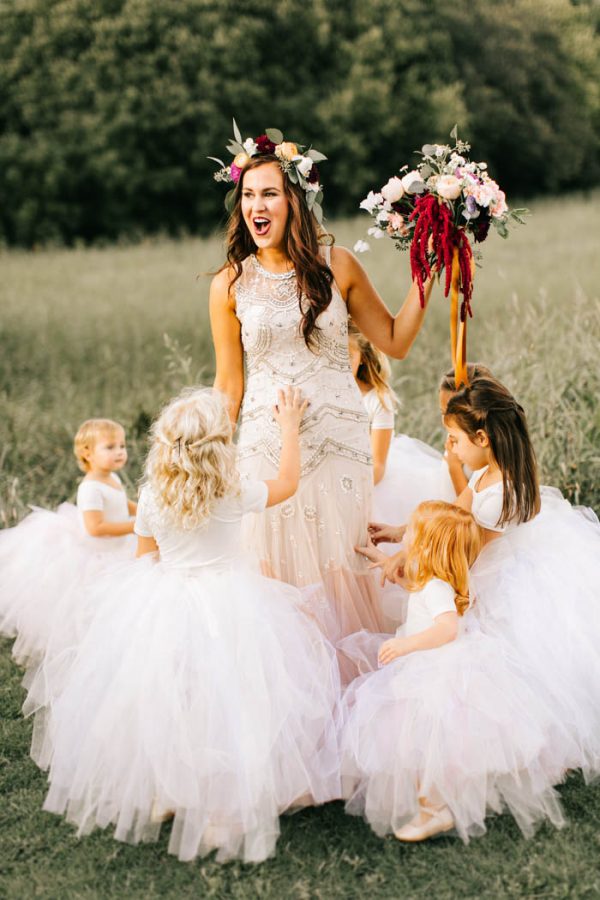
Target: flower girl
[
  {"x": 447, "y": 730},
  {"x": 50, "y": 552},
  {"x": 406, "y": 471},
  {"x": 201, "y": 689},
  {"x": 537, "y": 580}
]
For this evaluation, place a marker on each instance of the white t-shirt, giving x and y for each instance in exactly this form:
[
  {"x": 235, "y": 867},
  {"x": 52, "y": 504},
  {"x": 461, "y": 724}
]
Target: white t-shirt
[
  {"x": 379, "y": 416},
  {"x": 215, "y": 543},
  {"x": 97, "y": 496},
  {"x": 487, "y": 503},
  {"x": 424, "y": 606}
]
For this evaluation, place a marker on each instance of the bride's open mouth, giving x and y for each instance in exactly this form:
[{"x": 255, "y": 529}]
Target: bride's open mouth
[{"x": 261, "y": 225}]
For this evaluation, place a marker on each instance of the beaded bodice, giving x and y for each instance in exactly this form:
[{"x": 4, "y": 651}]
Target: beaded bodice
[{"x": 276, "y": 355}]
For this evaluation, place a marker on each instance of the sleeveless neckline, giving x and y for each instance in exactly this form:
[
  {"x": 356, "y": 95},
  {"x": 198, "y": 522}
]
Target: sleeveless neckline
[{"x": 276, "y": 276}]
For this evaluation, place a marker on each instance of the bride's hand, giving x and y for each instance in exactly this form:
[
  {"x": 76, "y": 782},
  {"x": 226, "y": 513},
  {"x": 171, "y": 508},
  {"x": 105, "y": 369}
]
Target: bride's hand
[{"x": 379, "y": 533}]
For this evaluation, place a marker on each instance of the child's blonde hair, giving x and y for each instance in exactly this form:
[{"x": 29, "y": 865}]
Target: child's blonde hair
[
  {"x": 374, "y": 368},
  {"x": 192, "y": 460},
  {"x": 445, "y": 543},
  {"x": 88, "y": 435}
]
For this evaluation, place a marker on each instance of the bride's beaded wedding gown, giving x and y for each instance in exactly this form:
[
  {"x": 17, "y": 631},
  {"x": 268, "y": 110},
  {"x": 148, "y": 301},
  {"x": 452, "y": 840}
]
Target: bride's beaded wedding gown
[{"x": 309, "y": 540}]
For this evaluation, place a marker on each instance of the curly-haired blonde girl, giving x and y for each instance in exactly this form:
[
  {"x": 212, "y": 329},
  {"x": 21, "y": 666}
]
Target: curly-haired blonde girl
[{"x": 191, "y": 462}]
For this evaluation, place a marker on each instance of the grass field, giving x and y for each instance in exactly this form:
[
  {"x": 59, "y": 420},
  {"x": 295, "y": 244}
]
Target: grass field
[{"x": 115, "y": 332}]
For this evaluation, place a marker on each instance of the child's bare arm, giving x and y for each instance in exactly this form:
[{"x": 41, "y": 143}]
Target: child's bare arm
[
  {"x": 443, "y": 631},
  {"x": 288, "y": 413},
  {"x": 95, "y": 525},
  {"x": 381, "y": 439},
  {"x": 146, "y": 545}
]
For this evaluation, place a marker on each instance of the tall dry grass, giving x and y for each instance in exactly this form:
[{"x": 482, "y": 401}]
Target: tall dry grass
[{"x": 115, "y": 332}]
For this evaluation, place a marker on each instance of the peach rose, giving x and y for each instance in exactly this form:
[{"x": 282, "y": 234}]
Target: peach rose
[
  {"x": 286, "y": 150},
  {"x": 448, "y": 187}
]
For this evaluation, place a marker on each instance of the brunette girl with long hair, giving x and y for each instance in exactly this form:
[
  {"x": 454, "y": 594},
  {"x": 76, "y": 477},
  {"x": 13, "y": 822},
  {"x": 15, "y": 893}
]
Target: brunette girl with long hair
[
  {"x": 446, "y": 729},
  {"x": 537, "y": 580},
  {"x": 279, "y": 312}
]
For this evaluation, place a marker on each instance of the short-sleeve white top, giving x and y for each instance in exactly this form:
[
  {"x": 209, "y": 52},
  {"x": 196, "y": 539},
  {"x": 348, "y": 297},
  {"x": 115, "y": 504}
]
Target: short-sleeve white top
[
  {"x": 216, "y": 543},
  {"x": 97, "y": 496},
  {"x": 487, "y": 503},
  {"x": 436, "y": 598},
  {"x": 379, "y": 416}
]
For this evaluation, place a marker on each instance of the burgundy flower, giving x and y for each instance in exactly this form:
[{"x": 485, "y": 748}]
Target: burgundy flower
[
  {"x": 481, "y": 229},
  {"x": 265, "y": 144},
  {"x": 313, "y": 175}
]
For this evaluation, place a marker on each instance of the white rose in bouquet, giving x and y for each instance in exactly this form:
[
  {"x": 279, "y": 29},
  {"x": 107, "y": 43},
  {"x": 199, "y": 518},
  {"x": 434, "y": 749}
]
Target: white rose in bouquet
[
  {"x": 393, "y": 190},
  {"x": 448, "y": 187},
  {"x": 409, "y": 179}
]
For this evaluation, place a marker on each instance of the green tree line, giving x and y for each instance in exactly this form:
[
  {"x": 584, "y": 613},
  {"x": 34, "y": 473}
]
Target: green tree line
[{"x": 109, "y": 108}]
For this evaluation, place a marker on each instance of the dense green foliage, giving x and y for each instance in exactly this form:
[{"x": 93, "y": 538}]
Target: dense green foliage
[{"x": 109, "y": 108}]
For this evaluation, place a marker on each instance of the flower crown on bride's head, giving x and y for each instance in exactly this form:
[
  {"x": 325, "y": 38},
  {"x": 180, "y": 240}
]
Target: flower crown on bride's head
[{"x": 298, "y": 163}]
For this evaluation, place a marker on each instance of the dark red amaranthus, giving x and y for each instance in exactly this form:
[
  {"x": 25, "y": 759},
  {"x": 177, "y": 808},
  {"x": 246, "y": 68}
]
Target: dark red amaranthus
[{"x": 433, "y": 218}]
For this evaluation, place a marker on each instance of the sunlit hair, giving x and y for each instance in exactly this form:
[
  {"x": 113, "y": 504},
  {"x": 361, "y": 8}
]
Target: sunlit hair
[
  {"x": 191, "y": 462},
  {"x": 490, "y": 407},
  {"x": 474, "y": 370},
  {"x": 374, "y": 368},
  {"x": 88, "y": 435},
  {"x": 302, "y": 240},
  {"x": 445, "y": 543}
]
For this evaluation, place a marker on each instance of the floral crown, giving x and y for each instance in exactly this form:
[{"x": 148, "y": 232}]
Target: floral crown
[{"x": 298, "y": 163}]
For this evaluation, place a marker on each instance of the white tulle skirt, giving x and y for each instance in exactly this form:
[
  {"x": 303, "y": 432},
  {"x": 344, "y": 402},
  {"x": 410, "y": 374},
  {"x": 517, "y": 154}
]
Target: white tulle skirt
[
  {"x": 538, "y": 589},
  {"x": 44, "y": 561},
  {"x": 210, "y": 695},
  {"x": 458, "y": 725},
  {"x": 414, "y": 472}
]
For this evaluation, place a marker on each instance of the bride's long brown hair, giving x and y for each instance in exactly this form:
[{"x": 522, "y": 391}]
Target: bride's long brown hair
[{"x": 302, "y": 240}]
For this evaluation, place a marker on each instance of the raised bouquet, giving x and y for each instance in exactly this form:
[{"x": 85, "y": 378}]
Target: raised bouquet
[{"x": 432, "y": 210}]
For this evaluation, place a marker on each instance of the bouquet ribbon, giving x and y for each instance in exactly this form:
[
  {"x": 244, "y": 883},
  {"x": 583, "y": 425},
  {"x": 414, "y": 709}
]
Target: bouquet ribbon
[{"x": 458, "y": 327}]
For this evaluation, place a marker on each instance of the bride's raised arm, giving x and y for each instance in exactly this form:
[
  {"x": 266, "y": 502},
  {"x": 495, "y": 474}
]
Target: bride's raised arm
[{"x": 393, "y": 335}]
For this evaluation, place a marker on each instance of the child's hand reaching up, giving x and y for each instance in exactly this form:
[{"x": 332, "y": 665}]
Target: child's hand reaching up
[
  {"x": 287, "y": 412},
  {"x": 290, "y": 408}
]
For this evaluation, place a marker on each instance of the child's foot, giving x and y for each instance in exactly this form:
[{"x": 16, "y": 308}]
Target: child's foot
[{"x": 428, "y": 822}]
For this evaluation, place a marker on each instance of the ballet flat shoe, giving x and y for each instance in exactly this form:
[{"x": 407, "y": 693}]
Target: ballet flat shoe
[
  {"x": 439, "y": 822},
  {"x": 159, "y": 815}
]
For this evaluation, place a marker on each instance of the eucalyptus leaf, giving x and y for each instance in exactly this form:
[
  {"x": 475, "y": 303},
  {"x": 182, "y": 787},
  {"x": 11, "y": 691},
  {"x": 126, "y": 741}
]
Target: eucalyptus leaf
[
  {"x": 454, "y": 133},
  {"x": 229, "y": 199},
  {"x": 426, "y": 171},
  {"x": 235, "y": 148},
  {"x": 293, "y": 175},
  {"x": 311, "y": 198},
  {"x": 220, "y": 161},
  {"x": 318, "y": 212},
  {"x": 275, "y": 135},
  {"x": 315, "y": 155},
  {"x": 428, "y": 149},
  {"x": 237, "y": 133},
  {"x": 417, "y": 187}
]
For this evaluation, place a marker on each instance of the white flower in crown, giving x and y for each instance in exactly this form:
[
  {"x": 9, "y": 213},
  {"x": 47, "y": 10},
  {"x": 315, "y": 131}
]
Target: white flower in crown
[
  {"x": 372, "y": 201},
  {"x": 250, "y": 146},
  {"x": 316, "y": 187},
  {"x": 304, "y": 164}
]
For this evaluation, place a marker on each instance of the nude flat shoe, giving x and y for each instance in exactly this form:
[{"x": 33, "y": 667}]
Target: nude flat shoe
[
  {"x": 440, "y": 820},
  {"x": 158, "y": 814}
]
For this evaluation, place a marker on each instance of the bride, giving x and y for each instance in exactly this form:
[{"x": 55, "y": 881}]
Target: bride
[{"x": 280, "y": 305}]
